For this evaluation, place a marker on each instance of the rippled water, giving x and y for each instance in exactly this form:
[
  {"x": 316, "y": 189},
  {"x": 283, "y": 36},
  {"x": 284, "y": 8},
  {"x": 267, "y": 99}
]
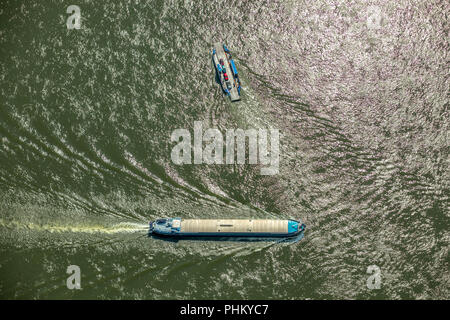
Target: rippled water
[{"x": 85, "y": 123}]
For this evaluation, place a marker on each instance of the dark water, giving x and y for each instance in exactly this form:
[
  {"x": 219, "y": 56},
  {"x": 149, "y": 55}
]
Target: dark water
[{"x": 85, "y": 122}]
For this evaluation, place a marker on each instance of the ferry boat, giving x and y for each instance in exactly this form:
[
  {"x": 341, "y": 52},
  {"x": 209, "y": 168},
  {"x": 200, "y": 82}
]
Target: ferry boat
[
  {"x": 178, "y": 227},
  {"x": 226, "y": 72}
]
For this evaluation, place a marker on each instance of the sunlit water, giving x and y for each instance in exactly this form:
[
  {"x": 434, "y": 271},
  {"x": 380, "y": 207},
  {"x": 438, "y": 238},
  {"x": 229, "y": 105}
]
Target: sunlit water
[{"x": 85, "y": 122}]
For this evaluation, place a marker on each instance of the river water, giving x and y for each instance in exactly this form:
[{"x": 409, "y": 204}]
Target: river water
[{"x": 358, "y": 91}]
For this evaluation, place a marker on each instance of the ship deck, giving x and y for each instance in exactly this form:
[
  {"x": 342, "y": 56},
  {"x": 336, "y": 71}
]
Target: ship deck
[{"x": 234, "y": 95}]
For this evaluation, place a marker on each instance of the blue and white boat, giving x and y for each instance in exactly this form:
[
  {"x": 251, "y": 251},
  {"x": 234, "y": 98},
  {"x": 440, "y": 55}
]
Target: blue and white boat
[
  {"x": 178, "y": 227},
  {"x": 226, "y": 72}
]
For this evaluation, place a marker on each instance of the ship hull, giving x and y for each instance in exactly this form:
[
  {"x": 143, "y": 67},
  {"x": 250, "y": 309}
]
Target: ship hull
[
  {"x": 239, "y": 228},
  {"x": 221, "y": 58}
]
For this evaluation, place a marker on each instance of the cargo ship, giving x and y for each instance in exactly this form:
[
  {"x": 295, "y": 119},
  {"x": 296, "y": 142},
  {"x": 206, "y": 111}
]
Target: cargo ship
[
  {"x": 226, "y": 72},
  {"x": 178, "y": 228}
]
